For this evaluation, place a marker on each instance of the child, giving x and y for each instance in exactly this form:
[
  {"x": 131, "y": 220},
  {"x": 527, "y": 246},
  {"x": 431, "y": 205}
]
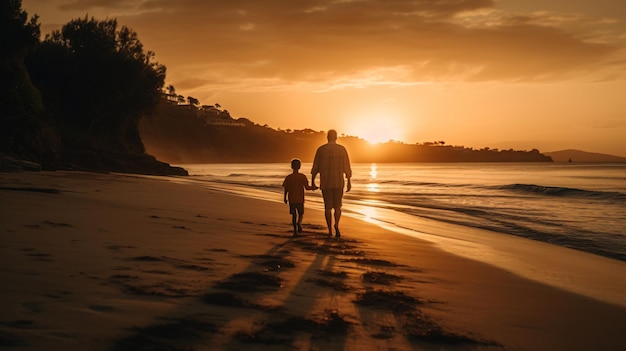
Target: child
[{"x": 294, "y": 185}]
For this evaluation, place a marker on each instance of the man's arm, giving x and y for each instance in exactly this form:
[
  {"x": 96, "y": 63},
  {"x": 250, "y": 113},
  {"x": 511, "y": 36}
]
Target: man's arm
[
  {"x": 346, "y": 164},
  {"x": 347, "y": 169},
  {"x": 313, "y": 186},
  {"x": 315, "y": 169}
]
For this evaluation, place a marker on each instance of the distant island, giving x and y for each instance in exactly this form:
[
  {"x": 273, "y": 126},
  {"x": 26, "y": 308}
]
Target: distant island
[
  {"x": 182, "y": 131},
  {"x": 578, "y": 156}
]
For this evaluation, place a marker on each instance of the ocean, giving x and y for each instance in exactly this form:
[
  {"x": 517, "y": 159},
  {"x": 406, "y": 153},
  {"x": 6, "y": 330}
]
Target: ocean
[{"x": 579, "y": 206}]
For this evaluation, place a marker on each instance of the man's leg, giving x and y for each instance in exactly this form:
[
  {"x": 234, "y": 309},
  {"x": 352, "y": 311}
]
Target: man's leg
[
  {"x": 328, "y": 213},
  {"x": 328, "y": 209},
  {"x": 337, "y": 218}
]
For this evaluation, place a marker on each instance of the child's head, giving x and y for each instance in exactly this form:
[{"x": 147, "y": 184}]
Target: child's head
[{"x": 295, "y": 164}]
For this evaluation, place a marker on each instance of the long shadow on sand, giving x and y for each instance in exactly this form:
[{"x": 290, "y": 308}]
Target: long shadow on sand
[{"x": 258, "y": 308}]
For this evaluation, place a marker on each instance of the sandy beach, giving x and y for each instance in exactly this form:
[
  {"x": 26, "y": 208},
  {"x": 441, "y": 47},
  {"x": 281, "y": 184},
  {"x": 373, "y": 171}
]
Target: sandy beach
[{"x": 120, "y": 262}]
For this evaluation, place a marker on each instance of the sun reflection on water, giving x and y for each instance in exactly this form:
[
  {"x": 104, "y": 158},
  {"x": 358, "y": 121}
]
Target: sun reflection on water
[
  {"x": 373, "y": 186},
  {"x": 373, "y": 171},
  {"x": 369, "y": 213}
]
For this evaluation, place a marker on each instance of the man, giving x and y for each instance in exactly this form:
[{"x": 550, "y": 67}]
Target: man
[{"x": 332, "y": 163}]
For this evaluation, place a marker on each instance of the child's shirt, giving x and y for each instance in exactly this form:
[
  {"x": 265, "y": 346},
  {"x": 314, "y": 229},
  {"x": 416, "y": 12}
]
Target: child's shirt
[{"x": 295, "y": 184}]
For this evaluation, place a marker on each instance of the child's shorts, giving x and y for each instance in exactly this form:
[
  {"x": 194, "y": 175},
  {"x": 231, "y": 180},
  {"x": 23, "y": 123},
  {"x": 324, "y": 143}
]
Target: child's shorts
[{"x": 296, "y": 208}]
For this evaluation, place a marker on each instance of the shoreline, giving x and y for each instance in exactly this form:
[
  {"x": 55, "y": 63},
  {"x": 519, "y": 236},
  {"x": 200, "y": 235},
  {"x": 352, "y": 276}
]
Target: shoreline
[
  {"x": 565, "y": 268},
  {"x": 577, "y": 271},
  {"x": 115, "y": 261}
]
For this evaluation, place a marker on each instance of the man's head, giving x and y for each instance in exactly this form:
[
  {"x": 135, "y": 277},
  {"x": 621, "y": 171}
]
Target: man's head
[
  {"x": 296, "y": 164},
  {"x": 332, "y": 135}
]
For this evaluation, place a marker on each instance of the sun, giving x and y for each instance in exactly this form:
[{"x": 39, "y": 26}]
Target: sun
[
  {"x": 376, "y": 121},
  {"x": 378, "y": 130}
]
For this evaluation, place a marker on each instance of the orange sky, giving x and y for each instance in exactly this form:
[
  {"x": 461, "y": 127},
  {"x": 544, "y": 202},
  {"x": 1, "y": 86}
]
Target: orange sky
[{"x": 516, "y": 74}]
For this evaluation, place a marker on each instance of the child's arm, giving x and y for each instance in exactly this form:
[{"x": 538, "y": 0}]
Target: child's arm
[
  {"x": 308, "y": 186},
  {"x": 285, "y": 196}
]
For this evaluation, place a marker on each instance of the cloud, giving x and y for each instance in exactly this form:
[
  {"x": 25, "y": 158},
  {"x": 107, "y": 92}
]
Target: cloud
[
  {"x": 319, "y": 41},
  {"x": 86, "y": 5},
  {"x": 609, "y": 123}
]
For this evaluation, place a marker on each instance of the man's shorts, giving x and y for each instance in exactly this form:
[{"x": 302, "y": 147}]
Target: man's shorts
[
  {"x": 296, "y": 208},
  {"x": 332, "y": 198}
]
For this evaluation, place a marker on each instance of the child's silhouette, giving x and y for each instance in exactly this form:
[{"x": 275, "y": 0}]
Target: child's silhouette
[{"x": 294, "y": 185}]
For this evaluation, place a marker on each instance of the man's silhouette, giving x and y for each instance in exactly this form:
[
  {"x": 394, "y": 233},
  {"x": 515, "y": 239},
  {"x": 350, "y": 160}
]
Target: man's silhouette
[{"x": 332, "y": 163}]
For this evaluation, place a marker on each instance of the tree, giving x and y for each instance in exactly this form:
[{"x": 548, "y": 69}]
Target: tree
[
  {"x": 18, "y": 36},
  {"x": 171, "y": 93},
  {"x": 24, "y": 129},
  {"x": 97, "y": 80},
  {"x": 17, "y": 33},
  {"x": 193, "y": 101}
]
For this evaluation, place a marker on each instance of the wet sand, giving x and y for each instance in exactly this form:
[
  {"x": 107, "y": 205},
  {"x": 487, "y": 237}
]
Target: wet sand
[{"x": 115, "y": 262}]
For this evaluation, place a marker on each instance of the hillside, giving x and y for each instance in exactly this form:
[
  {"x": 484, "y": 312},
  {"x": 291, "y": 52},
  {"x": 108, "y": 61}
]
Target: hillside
[
  {"x": 583, "y": 156},
  {"x": 183, "y": 134}
]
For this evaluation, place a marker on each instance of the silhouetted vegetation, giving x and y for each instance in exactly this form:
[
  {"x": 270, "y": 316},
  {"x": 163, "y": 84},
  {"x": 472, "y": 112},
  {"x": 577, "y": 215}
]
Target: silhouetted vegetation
[
  {"x": 74, "y": 100},
  {"x": 24, "y": 129},
  {"x": 183, "y": 133}
]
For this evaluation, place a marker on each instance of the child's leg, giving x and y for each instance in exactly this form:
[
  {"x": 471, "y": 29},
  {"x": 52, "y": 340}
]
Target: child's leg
[
  {"x": 300, "y": 215},
  {"x": 294, "y": 219},
  {"x": 294, "y": 222},
  {"x": 300, "y": 223}
]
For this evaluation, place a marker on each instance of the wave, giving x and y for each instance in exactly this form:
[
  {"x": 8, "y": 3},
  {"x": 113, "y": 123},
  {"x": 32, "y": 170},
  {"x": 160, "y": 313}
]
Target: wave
[
  {"x": 411, "y": 183},
  {"x": 605, "y": 244},
  {"x": 564, "y": 192},
  {"x": 257, "y": 176}
]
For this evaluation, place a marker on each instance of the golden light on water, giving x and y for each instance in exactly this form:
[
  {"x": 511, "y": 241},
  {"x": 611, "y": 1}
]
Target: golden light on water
[
  {"x": 373, "y": 171},
  {"x": 370, "y": 213},
  {"x": 373, "y": 186}
]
